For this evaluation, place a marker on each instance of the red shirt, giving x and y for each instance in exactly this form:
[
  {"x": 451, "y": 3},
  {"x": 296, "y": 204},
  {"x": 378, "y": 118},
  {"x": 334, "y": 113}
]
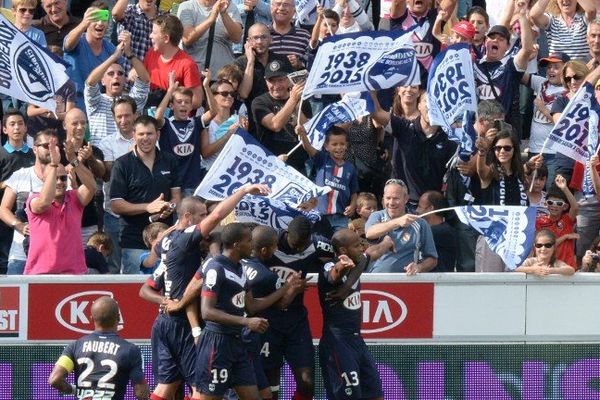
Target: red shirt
[
  {"x": 186, "y": 70},
  {"x": 566, "y": 250}
]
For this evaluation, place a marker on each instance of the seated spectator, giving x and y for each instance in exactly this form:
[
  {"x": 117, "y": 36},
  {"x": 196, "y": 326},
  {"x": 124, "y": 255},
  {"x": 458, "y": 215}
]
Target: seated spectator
[
  {"x": 287, "y": 39},
  {"x": 55, "y": 218},
  {"x": 366, "y": 204},
  {"x": 151, "y": 234},
  {"x": 414, "y": 249},
  {"x": 589, "y": 262},
  {"x": 107, "y": 82},
  {"x": 57, "y": 23},
  {"x": 86, "y": 48},
  {"x": 137, "y": 19},
  {"x": 334, "y": 171},
  {"x": 197, "y": 17},
  {"x": 165, "y": 56},
  {"x": 562, "y": 213},
  {"x": 545, "y": 260},
  {"x": 99, "y": 247},
  {"x": 444, "y": 236}
]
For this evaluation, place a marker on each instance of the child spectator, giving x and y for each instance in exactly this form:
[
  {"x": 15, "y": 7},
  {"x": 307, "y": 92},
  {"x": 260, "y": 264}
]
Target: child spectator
[
  {"x": 537, "y": 195},
  {"x": 562, "y": 209},
  {"x": 23, "y": 11},
  {"x": 480, "y": 19},
  {"x": 366, "y": 203},
  {"x": 327, "y": 25},
  {"x": 152, "y": 235},
  {"x": 334, "y": 171},
  {"x": 545, "y": 260},
  {"x": 99, "y": 247}
]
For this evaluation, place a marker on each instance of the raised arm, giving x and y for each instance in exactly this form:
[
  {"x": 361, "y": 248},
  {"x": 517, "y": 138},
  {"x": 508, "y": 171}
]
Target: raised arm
[
  {"x": 308, "y": 147},
  {"x": 47, "y": 194},
  {"x": 164, "y": 103},
  {"x": 561, "y": 183},
  {"x": 538, "y": 14},
  {"x": 118, "y": 11},
  {"x": 276, "y": 122},
  {"x": 376, "y": 231},
  {"x": 87, "y": 190},
  {"x": 192, "y": 33},
  {"x": 527, "y": 49},
  {"x": 73, "y": 37},
  {"x": 98, "y": 72}
]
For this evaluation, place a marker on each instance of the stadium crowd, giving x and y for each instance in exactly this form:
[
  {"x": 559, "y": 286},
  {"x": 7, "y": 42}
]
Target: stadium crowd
[{"x": 158, "y": 88}]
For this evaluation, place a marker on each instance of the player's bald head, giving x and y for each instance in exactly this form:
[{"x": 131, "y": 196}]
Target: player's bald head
[
  {"x": 343, "y": 238},
  {"x": 263, "y": 236},
  {"x": 105, "y": 312}
]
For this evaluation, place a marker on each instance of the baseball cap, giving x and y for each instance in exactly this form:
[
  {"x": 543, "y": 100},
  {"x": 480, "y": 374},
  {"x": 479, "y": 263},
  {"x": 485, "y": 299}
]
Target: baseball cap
[
  {"x": 499, "y": 30},
  {"x": 465, "y": 29},
  {"x": 279, "y": 67},
  {"x": 559, "y": 56}
]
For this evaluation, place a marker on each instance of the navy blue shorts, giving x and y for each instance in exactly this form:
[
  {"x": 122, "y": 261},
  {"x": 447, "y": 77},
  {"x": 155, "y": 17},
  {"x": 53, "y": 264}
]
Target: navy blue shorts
[
  {"x": 222, "y": 362},
  {"x": 294, "y": 344},
  {"x": 252, "y": 341},
  {"x": 349, "y": 370},
  {"x": 173, "y": 350}
]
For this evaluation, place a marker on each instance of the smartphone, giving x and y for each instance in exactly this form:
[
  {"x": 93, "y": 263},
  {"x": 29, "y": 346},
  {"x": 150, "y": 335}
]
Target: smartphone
[
  {"x": 500, "y": 125},
  {"x": 298, "y": 76},
  {"x": 101, "y": 15}
]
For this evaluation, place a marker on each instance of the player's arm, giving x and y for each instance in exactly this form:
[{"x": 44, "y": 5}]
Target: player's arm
[
  {"x": 353, "y": 275},
  {"x": 149, "y": 293},
  {"x": 211, "y": 313},
  {"x": 142, "y": 391},
  {"x": 282, "y": 297},
  {"x": 58, "y": 376}
]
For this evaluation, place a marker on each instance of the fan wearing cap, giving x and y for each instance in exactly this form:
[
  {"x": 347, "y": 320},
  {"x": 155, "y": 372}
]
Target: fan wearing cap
[
  {"x": 497, "y": 76},
  {"x": 547, "y": 90},
  {"x": 276, "y": 113},
  {"x": 461, "y": 32}
]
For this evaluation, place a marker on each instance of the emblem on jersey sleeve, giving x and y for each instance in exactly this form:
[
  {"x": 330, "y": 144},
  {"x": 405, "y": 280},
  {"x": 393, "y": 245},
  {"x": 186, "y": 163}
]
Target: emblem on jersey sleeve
[{"x": 211, "y": 278}]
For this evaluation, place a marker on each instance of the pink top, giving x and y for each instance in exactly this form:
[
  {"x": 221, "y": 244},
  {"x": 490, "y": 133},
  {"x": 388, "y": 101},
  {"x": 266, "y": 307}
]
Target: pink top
[{"x": 55, "y": 245}]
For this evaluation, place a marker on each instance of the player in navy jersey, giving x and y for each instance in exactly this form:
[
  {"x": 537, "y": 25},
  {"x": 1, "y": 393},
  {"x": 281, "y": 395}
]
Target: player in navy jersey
[
  {"x": 349, "y": 370},
  {"x": 222, "y": 361},
  {"x": 103, "y": 362},
  {"x": 289, "y": 336},
  {"x": 173, "y": 348}
]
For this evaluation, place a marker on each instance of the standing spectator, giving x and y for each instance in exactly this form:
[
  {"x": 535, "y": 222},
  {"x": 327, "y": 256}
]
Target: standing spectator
[
  {"x": 353, "y": 18},
  {"x": 110, "y": 76},
  {"x": 197, "y": 17},
  {"x": 17, "y": 189},
  {"x": 593, "y": 41},
  {"x": 287, "y": 39},
  {"x": 137, "y": 19},
  {"x": 57, "y": 23},
  {"x": 480, "y": 19},
  {"x": 565, "y": 24},
  {"x": 414, "y": 247},
  {"x": 444, "y": 236},
  {"x": 85, "y": 48},
  {"x": 126, "y": 358},
  {"x": 54, "y": 217},
  {"x": 124, "y": 111},
  {"x": 144, "y": 181},
  {"x": 165, "y": 56},
  {"x": 14, "y": 155},
  {"x": 276, "y": 114},
  {"x": 23, "y": 10}
]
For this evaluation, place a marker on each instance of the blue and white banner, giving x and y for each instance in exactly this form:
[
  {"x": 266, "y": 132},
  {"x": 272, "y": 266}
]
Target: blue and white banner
[
  {"x": 271, "y": 212},
  {"x": 508, "y": 230},
  {"x": 451, "y": 86},
  {"x": 571, "y": 132},
  {"x": 28, "y": 72},
  {"x": 363, "y": 61},
  {"x": 350, "y": 108},
  {"x": 243, "y": 160},
  {"x": 464, "y": 136}
]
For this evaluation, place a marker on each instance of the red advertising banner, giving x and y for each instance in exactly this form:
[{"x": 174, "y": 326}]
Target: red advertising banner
[
  {"x": 62, "y": 311},
  {"x": 389, "y": 310},
  {"x": 10, "y": 312}
]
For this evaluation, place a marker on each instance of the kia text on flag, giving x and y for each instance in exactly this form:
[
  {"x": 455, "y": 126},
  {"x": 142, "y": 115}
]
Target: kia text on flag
[
  {"x": 348, "y": 109},
  {"x": 451, "y": 86},
  {"x": 244, "y": 160},
  {"x": 508, "y": 230},
  {"x": 359, "y": 62},
  {"x": 570, "y": 134},
  {"x": 27, "y": 71}
]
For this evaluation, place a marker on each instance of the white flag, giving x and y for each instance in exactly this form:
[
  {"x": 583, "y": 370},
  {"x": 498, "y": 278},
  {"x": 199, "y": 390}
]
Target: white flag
[{"x": 27, "y": 71}]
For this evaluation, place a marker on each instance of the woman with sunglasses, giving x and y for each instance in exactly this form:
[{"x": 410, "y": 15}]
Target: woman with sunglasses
[
  {"x": 544, "y": 261},
  {"x": 573, "y": 75}
]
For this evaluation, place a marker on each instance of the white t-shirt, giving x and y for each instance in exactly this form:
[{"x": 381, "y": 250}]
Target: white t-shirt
[{"x": 540, "y": 125}]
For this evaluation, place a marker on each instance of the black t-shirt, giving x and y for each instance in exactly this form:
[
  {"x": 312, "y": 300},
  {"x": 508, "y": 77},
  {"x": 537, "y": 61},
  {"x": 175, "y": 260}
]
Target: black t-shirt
[
  {"x": 133, "y": 182},
  {"x": 284, "y": 140},
  {"x": 11, "y": 162},
  {"x": 444, "y": 237},
  {"x": 95, "y": 260}
]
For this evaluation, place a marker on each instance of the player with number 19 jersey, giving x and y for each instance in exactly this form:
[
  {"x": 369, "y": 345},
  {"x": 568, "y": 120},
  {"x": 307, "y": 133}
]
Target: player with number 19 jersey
[{"x": 103, "y": 363}]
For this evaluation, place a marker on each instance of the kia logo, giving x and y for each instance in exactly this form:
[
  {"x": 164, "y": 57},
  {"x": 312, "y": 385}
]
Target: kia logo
[
  {"x": 381, "y": 311},
  {"x": 72, "y": 311}
]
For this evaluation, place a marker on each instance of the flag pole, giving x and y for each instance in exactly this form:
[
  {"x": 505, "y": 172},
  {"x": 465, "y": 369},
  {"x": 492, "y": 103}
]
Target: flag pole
[{"x": 437, "y": 211}]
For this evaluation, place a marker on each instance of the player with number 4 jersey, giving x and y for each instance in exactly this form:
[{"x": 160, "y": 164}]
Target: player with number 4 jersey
[{"x": 102, "y": 361}]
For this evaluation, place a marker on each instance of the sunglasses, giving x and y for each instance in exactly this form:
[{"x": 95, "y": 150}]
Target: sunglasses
[
  {"x": 225, "y": 93},
  {"x": 546, "y": 245},
  {"x": 26, "y": 10},
  {"x": 44, "y": 145},
  {"x": 573, "y": 78},
  {"x": 62, "y": 178},
  {"x": 558, "y": 203},
  {"x": 506, "y": 148}
]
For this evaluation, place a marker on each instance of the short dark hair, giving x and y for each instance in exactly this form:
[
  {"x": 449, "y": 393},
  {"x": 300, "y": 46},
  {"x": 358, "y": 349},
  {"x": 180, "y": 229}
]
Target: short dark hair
[
  {"x": 146, "y": 120},
  {"x": 99, "y": 4},
  {"x": 233, "y": 233},
  {"x": 11, "y": 112},
  {"x": 299, "y": 230},
  {"x": 328, "y": 13},
  {"x": 230, "y": 71},
  {"x": 123, "y": 99},
  {"x": 45, "y": 132},
  {"x": 335, "y": 131},
  {"x": 172, "y": 26},
  {"x": 478, "y": 10},
  {"x": 436, "y": 199}
]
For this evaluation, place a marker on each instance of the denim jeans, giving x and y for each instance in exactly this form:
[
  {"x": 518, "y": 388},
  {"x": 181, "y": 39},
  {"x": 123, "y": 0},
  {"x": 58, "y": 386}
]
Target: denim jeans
[
  {"x": 337, "y": 221},
  {"x": 15, "y": 267},
  {"x": 112, "y": 227},
  {"x": 130, "y": 261}
]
